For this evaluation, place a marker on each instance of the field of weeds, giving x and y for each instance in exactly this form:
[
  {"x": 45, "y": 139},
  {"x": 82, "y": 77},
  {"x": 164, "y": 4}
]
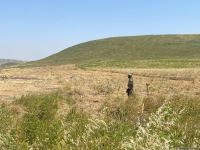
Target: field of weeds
[{"x": 64, "y": 107}]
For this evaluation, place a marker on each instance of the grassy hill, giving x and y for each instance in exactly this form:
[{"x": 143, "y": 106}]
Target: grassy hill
[
  {"x": 9, "y": 62},
  {"x": 137, "y": 51}
]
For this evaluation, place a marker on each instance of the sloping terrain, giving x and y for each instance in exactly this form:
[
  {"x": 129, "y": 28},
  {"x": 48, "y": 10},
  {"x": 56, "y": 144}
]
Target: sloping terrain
[
  {"x": 138, "y": 51},
  {"x": 9, "y": 62}
]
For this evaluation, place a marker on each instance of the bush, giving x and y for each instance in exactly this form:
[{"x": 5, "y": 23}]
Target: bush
[
  {"x": 82, "y": 132},
  {"x": 40, "y": 127}
]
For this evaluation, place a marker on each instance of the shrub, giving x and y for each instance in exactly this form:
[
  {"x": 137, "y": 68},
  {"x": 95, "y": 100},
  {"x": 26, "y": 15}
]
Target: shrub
[
  {"x": 40, "y": 127},
  {"x": 82, "y": 132}
]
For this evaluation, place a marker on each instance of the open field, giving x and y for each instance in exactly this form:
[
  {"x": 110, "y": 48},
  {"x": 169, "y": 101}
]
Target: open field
[
  {"x": 93, "y": 87},
  {"x": 65, "y": 107}
]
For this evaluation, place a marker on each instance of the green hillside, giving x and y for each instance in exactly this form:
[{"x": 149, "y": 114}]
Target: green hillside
[
  {"x": 10, "y": 62},
  {"x": 137, "y": 51}
]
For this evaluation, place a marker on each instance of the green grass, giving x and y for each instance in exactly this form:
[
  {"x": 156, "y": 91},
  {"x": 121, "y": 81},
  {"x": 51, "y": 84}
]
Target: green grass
[
  {"x": 6, "y": 63},
  {"x": 161, "y": 51},
  {"x": 170, "y": 124}
]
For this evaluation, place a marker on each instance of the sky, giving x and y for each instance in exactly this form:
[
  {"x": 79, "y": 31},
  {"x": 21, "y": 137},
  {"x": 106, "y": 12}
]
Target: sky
[{"x": 34, "y": 29}]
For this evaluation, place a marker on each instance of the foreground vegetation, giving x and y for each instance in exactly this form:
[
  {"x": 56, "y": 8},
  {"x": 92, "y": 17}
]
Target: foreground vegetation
[
  {"x": 163, "y": 123},
  {"x": 161, "y": 51}
]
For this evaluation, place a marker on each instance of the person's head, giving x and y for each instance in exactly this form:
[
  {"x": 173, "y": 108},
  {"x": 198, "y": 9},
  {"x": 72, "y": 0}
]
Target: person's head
[{"x": 129, "y": 76}]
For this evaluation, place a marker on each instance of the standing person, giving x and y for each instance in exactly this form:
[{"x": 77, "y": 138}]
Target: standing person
[{"x": 130, "y": 89}]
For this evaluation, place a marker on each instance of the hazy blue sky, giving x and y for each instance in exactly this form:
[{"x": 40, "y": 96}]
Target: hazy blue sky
[{"x": 33, "y": 29}]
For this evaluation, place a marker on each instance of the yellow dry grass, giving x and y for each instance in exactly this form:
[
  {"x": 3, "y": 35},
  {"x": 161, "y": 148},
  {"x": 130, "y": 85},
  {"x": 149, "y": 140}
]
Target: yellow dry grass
[{"x": 92, "y": 88}]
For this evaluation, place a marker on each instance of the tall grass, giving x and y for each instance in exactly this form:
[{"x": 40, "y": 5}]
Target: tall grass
[{"x": 163, "y": 124}]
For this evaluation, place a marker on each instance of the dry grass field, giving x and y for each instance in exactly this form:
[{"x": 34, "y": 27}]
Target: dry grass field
[
  {"x": 92, "y": 88},
  {"x": 65, "y": 107}
]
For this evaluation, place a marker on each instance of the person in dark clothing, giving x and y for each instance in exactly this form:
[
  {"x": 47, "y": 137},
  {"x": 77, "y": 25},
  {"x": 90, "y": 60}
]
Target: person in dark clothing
[{"x": 130, "y": 89}]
